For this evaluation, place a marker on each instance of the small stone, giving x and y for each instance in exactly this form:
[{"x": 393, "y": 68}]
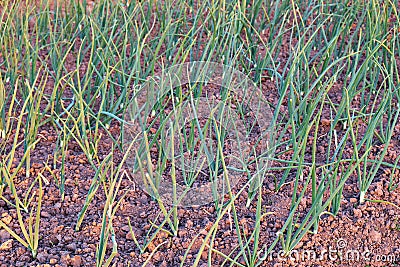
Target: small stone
[
  {"x": 67, "y": 238},
  {"x": 185, "y": 244},
  {"x": 6, "y": 218},
  {"x": 182, "y": 233},
  {"x": 211, "y": 209},
  {"x": 379, "y": 192},
  {"x": 58, "y": 229},
  {"x": 189, "y": 224},
  {"x": 45, "y": 214},
  {"x": 41, "y": 257},
  {"x": 6, "y": 245},
  {"x": 126, "y": 228},
  {"x": 151, "y": 246},
  {"x": 353, "y": 200},
  {"x": 129, "y": 236},
  {"x": 68, "y": 182},
  {"x": 375, "y": 236},
  {"x": 271, "y": 186},
  {"x": 71, "y": 246},
  {"x": 20, "y": 251},
  {"x": 65, "y": 259},
  {"x": 181, "y": 212},
  {"x": 204, "y": 255},
  {"x": 157, "y": 257},
  {"x": 203, "y": 232},
  {"x": 299, "y": 245},
  {"x": 76, "y": 261},
  {"x": 331, "y": 218},
  {"x": 4, "y": 235},
  {"x": 371, "y": 208},
  {"x": 75, "y": 197},
  {"x": 325, "y": 122},
  {"x": 357, "y": 213}
]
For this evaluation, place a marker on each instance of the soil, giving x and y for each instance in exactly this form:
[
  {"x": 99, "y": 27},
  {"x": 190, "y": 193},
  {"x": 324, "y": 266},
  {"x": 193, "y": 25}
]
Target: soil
[{"x": 370, "y": 231}]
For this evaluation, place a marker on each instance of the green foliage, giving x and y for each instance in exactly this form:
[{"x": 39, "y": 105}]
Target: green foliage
[{"x": 333, "y": 64}]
